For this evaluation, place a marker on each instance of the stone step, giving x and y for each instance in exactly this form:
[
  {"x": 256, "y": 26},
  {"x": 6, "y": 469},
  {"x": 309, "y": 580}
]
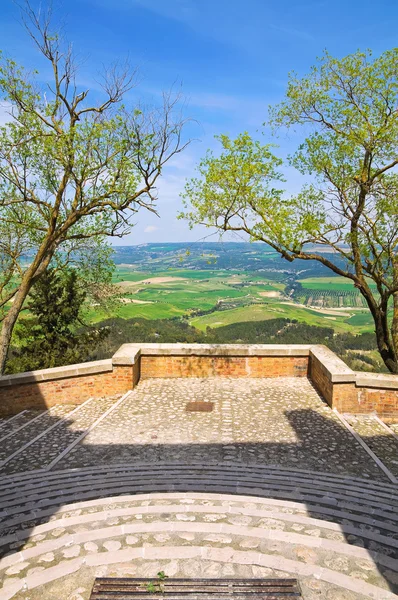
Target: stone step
[
  {"x": 385, "y": 488},
  {"x": 346, "y": 519},
  {"x": 394, "y": 427},
  {"x": 161, "y": 533},
  {"x": 180, "y": 560},
  {"x": 290, "y": 516},
  {"x": 221, "y": 531},
  {"x": 70, "y": 427},
  {"x": 382, "y": 442},
  {"x": 14, "y": 424},
  {"x": 326, "y": 481},
  {"x": 29, "y": 430},
  {"x": 138, "y": 482},
  {"x": 253, "y": 475},
  {"x": 239, "y": 472},
  {"x": 14, "y": 421}
]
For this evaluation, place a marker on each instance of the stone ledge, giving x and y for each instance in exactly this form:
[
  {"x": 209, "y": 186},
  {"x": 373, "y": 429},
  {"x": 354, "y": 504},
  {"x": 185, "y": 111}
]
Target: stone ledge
[
  {"x": 89, "y": 368},
  {"x": 129, "y": 353},
  {"x": 376, "y": 380},
  {"x": 334, "y": 368}
]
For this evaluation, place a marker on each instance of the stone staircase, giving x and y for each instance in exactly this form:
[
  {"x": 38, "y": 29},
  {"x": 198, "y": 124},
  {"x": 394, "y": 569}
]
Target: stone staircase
[
  {"x": 380, "y": 438},
  {"x": 37, "y": 439},
  {"x": 337, "y": 530},
  {"x": 338, "y": 535}
]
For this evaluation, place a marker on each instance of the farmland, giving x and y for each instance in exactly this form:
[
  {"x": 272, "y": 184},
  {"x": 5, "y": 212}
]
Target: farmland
[
  {"x": 213, "y": 285},
  {"x": 328, "y": 292}
]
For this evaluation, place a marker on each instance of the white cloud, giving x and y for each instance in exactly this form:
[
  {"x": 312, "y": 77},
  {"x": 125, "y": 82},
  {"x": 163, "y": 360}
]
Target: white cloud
[{"x": 150, "y": 229}]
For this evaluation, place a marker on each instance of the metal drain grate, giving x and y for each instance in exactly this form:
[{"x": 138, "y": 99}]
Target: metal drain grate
[
  {"x": 195, "y": 589},
  {"x": 199, "y": 406}
]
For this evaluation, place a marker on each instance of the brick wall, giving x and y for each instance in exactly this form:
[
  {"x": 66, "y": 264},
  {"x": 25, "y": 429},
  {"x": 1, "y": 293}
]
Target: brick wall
[
  {"x": 223, "y": 366},
  {"x": 362, "y": 400},
  {"x": 320, "y": 379},
  {"x": 341, "y": 387},
  {"x": 354, "y": 396},
  {"x": 68, "y": 390}
]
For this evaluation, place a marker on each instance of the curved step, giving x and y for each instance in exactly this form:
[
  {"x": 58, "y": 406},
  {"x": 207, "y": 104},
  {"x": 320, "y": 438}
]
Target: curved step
[
  {"x": 210, "y": 530},
  {"x": 271, "y": 512},
  {"x": 32, "y": 504},
  {"x": 319, "y": 489}
]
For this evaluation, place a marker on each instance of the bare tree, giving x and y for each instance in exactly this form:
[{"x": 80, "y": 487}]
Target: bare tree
[{"x": 71, "y": 172}]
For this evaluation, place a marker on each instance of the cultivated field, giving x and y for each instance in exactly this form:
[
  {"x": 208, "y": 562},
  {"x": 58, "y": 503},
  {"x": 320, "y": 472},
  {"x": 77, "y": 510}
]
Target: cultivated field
[{"x": 216, "y": 296}]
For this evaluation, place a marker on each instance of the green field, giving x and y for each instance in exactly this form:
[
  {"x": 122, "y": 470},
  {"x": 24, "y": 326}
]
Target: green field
[
  {"x": 358, "y": 323},
  {"x": 230, "y": 296},
  {"x": 330, "y": 283},
  {"x": 329, "y": 292}
]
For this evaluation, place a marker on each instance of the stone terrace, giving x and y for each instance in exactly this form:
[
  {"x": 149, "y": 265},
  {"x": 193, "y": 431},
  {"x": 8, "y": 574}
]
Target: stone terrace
[
  {"x": 273, "y": 482},
  {"x": 278, "y": 422}
]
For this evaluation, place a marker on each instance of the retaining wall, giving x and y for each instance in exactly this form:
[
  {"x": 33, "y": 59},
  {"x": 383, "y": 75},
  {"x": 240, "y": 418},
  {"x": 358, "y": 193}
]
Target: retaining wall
[{"x": 346, "y": 390}]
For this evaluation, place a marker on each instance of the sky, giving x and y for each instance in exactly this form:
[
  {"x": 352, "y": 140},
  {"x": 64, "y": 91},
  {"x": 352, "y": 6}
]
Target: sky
[{"x": 230, "y": 58}]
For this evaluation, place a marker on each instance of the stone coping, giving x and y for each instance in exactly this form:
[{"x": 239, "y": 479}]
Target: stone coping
[
  {"x": 376, "y": 380},
  {"x": 88, "y": 368},
  {"x": 334, "y": 368},
  {"x": 129, "y": 353},
  {"x": 338, "y": 372}
]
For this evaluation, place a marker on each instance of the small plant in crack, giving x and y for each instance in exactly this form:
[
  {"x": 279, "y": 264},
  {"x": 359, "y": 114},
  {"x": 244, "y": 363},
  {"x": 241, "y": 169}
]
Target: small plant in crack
[{"x": 157, "y": 586}]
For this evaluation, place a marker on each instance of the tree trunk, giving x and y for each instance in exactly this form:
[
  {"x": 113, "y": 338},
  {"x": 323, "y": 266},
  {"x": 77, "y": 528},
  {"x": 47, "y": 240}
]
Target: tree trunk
[
  {"x": 394, "y": 324},
  {"x": 10, "y": 320},
  {"x": 38, "y": 266},
  {"x": 384, "y": 344},
  {"x": 384, "y": 337}
]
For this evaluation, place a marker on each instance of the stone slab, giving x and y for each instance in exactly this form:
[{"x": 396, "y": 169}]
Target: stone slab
[
  {"x": 89, "y": 368},
  {"x": 129, "y": 353}
]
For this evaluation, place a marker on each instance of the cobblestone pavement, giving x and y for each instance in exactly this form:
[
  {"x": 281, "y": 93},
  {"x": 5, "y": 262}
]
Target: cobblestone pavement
[
  {"x": 264, "y": 421},
  {"x": 378, "y": 438}
]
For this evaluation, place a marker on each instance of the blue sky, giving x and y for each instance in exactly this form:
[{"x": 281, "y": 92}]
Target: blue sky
[{"x": 231, "y": 57}]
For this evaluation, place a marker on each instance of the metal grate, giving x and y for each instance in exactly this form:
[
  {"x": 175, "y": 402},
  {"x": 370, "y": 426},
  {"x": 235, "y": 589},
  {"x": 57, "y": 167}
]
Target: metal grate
[
  {"x": 192, "y": 589},
  {"x": 199, "y": 406}
]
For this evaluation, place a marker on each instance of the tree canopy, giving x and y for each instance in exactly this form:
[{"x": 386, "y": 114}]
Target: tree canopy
[
  {"x": 346, "y": 215},
  {"x": 73, "y": 171}
]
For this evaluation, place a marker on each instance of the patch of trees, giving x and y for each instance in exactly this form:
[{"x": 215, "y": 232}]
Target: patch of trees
[
  {"x": 354, "y": 349},
  {"x": 54, "y": 333},
  {"x": 161, "y": 331},
  {"x": 75, "y": 167}
]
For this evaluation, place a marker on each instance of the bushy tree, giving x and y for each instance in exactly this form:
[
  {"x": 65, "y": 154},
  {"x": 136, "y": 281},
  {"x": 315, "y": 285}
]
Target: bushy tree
[
  {"x": 346, "y": 110},
  {"x": 54, "y": 333}
]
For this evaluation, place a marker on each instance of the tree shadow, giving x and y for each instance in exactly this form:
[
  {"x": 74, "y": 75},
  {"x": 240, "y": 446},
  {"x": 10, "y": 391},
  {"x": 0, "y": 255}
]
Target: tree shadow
[{"x": 322, "y": 446}]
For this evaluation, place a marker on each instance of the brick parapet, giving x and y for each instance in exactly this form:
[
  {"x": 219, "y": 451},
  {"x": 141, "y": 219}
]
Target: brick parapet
[
  {"x": 73, "y": 388},
  {"x": 350, "y": 391},
  {"x": 223, "y": 366},
  {"x": 342, "y": 388}
]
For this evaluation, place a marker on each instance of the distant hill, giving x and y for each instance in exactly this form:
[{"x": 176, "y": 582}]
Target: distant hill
[{"x": 256, "y": 258}]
